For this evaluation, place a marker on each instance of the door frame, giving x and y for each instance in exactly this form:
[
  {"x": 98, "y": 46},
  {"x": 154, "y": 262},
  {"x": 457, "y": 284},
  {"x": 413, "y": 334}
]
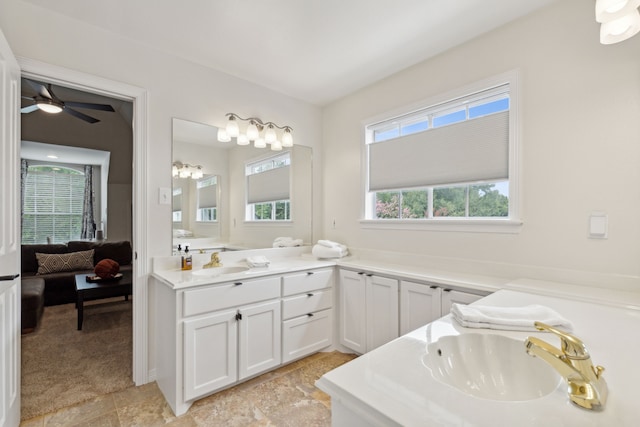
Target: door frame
[{"x": 138, "y": 96}]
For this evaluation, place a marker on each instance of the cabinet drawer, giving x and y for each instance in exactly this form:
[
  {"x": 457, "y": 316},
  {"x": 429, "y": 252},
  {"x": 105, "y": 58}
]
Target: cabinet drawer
[
  {"x": 306, "y": 303},
  {"x": 306, "y": 334},
  {"x": 306, "y": 281},
  {"x": 231, "y": 294}
]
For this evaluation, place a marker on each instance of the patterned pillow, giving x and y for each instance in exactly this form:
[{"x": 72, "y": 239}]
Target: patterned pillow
[{"x": 54, "y": 263}]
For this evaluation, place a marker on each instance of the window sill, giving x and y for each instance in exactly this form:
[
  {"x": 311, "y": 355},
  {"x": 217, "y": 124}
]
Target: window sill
[
  {"x": 283, "y": 223},
  {"x": 508, "y": 226}
]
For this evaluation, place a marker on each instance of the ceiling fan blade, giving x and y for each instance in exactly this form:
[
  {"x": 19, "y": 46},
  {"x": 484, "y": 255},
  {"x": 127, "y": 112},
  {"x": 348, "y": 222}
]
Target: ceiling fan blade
[
  {"x": 80, "y": 115},
  {"x": 40, "y": 88},
  {"x": 103, "y": 107},
  {"x": 29, "y": 109}
]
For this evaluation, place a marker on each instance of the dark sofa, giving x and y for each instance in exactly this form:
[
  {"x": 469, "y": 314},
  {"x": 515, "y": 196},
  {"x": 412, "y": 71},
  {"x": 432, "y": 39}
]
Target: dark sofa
[{"x": 59, "y": 288}]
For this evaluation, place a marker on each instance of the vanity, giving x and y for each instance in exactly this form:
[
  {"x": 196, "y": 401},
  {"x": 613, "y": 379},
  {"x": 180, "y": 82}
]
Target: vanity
[{"x": 412, "y": 381}]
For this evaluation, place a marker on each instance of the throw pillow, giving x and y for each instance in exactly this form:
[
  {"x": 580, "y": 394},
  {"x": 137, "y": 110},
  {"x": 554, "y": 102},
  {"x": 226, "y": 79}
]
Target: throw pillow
[{"x": 54, "y": 263}]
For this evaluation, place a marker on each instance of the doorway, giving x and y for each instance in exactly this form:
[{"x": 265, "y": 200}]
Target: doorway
[{"x": 40, "y": 71}]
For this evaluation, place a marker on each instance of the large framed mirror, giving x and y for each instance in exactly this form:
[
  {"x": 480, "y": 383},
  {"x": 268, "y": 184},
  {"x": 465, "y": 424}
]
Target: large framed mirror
[{"x": 212, "y": 206}]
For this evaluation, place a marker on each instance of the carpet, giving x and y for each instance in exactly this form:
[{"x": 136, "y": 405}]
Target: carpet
[{"x": 62, "y": 366}]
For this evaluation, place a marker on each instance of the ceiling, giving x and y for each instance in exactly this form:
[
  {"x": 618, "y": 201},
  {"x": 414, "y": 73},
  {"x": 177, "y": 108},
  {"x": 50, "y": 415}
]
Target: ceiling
[{"x": 314, "y": 50}]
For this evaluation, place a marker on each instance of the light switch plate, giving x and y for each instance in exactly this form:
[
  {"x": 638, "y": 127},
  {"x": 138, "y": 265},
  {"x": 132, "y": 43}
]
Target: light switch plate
[
  {"x": 164, "y": 196},
  {"x": 598, "y": 225}
]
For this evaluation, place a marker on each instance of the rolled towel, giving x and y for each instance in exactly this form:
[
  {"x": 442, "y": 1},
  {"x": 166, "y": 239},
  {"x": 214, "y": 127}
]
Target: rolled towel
[
  {"x": 257, "y": 261},
  {"x": 320, "y": 251},
  {"x": 329, "y": 243},
  {"x": 507, "y": 318}
]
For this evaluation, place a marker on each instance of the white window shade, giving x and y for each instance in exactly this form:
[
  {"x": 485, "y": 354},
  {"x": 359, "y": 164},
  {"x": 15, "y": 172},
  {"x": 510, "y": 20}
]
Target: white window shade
[
  {"x": 176, "y": 204},
  {"x": 268, "y": 186},
  {"x": 470, "y": 151},
  {"x": 207, "y": 196}
]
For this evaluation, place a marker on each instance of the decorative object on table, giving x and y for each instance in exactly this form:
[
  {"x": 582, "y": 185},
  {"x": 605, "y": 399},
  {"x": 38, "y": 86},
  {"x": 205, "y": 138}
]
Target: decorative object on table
[
  {"x": 286, "y": 242},
  {"x": 107, "y": 268},
  {"x": 507, "y": 318},
  {"x": 329, "y": 249}
]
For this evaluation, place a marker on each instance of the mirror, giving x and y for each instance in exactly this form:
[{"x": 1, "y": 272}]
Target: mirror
[{"x": 209, "y": 212}]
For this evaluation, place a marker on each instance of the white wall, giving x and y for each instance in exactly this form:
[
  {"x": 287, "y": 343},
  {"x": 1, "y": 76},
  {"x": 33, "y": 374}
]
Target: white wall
[{"x": 580, "y": 144}]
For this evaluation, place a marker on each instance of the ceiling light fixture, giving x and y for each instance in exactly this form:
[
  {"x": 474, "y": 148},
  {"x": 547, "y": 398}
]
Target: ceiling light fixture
[
  {"x": 184, "y": 170},
  {"x": 619, "y": 20},
  {"x": 49, "y": 105},
  {"x": 252, "y": 133}
]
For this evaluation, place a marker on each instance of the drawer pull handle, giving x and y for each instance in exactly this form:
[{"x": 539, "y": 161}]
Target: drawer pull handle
[
  {"x": 361, "y": 273},
  {"x": 446, "y": 290},
  {"x": 238, "y": 283},
  {"x": 433, "y": 287},
  {"x": 310, "y": 314},
  {"x": 369, "y": 275},
  {"x": 309, "y": 295},
  {"x": 309, "y": 273},
  {"x": 238, "y": 316}
]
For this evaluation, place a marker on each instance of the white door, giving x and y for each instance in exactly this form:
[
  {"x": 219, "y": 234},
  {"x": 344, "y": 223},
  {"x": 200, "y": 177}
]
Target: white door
[
  {"x": 9, "y": 237},
  {"x": 419, "y": 305},
  {"x": 260, "y": 339},
  {"x": 353, "y": 314},
  {"x": 210, "y": 353},
  {"x": 382, "y": 311}
]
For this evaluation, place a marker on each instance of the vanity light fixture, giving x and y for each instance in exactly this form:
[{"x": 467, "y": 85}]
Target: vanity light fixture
[
  {"x": 184, "y": 170},
  {"x": 253, "y": 133},
  {"x": 619, "y": 19}
]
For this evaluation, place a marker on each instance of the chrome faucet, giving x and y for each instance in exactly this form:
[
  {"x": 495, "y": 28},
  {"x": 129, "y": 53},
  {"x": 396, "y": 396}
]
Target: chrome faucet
[
  {"x": 215, "y": 261},
  {"x": 587, "y": 387}
]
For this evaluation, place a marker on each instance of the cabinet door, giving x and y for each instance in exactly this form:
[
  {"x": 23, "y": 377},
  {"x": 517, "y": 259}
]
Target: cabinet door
[
  {"x": 210, "y": 353},
  {"x": 382, "y": 310},
  {"x": 306, "y": 334},
  {"x": 419, "y": 305},
  {"x": 259, "y": 347},
  {"x": 353, "y": 318},
  {"x": 450, "y": 296}
]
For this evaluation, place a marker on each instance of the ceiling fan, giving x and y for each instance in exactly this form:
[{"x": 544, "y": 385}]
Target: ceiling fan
[{"x": 47, "y": 101}]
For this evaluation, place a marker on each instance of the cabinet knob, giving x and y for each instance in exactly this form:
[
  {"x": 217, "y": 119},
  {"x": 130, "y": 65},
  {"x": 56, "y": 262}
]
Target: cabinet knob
[
  {"x": 433, "y": 287},
  {"x": 446, "y": 290},
  {"x": 309, "y": 295},
  {"x": 361, "y": 273},
  {"x": 310, "y": 314},
  {"x": 309, "y": 273},
  {"x": 369, "y": 274},
  {"x": 238, "y": 283}
]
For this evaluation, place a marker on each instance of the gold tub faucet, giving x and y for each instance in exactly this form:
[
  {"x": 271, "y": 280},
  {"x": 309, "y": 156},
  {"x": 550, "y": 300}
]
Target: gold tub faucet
[
  {"x": 587, "y": 387},
  {"x": 215, "y": 261}
]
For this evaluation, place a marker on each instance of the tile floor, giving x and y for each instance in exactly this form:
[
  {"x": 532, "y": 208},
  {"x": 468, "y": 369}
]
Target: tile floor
[{"x": 284, "y": 397}]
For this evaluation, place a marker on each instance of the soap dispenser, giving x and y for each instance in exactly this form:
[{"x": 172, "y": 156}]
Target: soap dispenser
[{"x": 187, "y": 262}]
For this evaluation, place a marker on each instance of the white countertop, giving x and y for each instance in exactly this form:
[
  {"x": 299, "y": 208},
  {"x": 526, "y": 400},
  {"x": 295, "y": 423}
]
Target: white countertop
[{"x": 392, "y": 382}]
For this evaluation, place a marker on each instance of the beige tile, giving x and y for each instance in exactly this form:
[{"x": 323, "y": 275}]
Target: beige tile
[
  {"x": 33, "y": 422},
  {"x": 228, "y": 408},
  {"x": 272, "y": 395},
  {"x": 134, "y": 395},
  {"x": 306, "y": 412},
  {"x": 73, "y": 415},
  {"x": 106, "y": 420},
  {"x": 183, "y": 421},
  {"x": 151, "y": 412}
]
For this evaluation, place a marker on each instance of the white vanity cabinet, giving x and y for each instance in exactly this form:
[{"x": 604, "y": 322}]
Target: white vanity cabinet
[
  {"x": 307, "y": 313},
  {"x": 422, "y": 303},
  {"x": 368, "y": 310}
]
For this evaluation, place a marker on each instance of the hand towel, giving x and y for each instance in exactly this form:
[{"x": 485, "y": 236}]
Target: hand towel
[
  {"x": 320, "y": 251},
  {"x": 329, "y": 243},
  {"x": 257, "y": 261},
  {"x": 507, "y": 318}
]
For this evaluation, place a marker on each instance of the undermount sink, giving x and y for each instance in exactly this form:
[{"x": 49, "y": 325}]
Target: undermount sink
[
  {"x": 490, "y": 366},
  {"x": 218, "y": 271}
]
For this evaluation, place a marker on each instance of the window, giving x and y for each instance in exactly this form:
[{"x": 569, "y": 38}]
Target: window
[
  {"x": 207, "y": 193},
  {"x": 53, "y": 200},
  {"x": 268, "y": 189},
  {"x": 176, "y": 204},
  {"x": 448, "y": 160}
]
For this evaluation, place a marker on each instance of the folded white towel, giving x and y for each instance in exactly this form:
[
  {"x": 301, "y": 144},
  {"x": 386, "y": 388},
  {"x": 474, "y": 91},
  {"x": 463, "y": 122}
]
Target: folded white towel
[
  {"x": 329, "y": 243},
  {"x": 320, "y": 251},
  {"x": 257, "y": 261},
  {"x": 287, "y": 242},
  {"x": 507, "y": 318}
]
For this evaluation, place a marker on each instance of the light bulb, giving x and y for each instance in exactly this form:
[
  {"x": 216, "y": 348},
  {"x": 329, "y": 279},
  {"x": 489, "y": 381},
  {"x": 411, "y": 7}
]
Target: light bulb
[
  {"x": 620, "y": 29},
  {"x": 174, "y": 170},
  {"x": 242, "y": 139},
  {"x": 223, "y": 136},
  {"x": 184, "y": 171},
  {"x": 260, "y": 143},
  {"x": 287, "y": 138},
  {"x": 49, "y": 106},
  {"x": 197, "y": 174},
  {"x": 252, "y": 131},
  {"x": 232, "y": 127},
  {"x": 270, "y": 135},
  {"x": 609, "y": 10},
  {"x": 276, "y": 145}
]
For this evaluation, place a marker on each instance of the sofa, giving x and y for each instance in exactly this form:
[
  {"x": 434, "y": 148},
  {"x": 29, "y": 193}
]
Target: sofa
[{"x": 59, "y": 286}]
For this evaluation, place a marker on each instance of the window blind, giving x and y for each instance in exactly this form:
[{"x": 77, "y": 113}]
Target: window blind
[
  {"x": 469, "y": 151},
  {"x": 207, "y": 196},
  {"x": 269, "y": 186},
  {"x": 176, "y": 204}
]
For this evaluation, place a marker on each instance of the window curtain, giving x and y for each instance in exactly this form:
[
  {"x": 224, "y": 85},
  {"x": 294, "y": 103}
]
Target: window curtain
[
  {"x": 24, "y": 168},
  {"x": 88, "y": 221}
]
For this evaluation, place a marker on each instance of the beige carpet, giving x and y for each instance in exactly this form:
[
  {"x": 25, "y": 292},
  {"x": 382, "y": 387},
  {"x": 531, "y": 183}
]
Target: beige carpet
[{"x": 62, "y": 366}]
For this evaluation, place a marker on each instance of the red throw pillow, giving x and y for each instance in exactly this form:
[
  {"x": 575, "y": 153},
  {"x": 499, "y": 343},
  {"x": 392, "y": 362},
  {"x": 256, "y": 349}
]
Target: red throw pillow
[{"x": 107, "y": 268}]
